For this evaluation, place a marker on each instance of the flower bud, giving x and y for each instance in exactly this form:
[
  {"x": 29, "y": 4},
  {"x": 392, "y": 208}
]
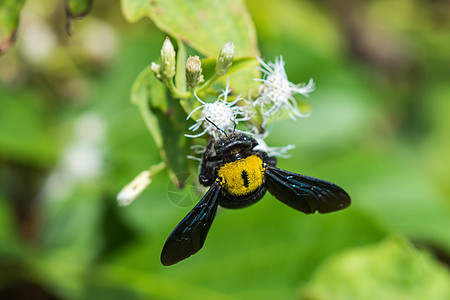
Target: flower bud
[
  {"x": 194, "y": 71},
  {"x": 156, "y": 68},
  {"x": 225, "y": 58},
  {"x": 132, "y": 190},
  {"x": 167, "y": 60}
]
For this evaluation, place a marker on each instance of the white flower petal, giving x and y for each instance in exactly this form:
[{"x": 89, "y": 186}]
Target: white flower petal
[
  {"x": 222, "y": 115},
  {"x": 277, "y": 92},
  {"x": 271, "y": 151}
]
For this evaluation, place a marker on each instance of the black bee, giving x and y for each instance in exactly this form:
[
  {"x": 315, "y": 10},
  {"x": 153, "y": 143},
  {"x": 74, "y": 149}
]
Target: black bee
[{"x": 239, "y": 176}]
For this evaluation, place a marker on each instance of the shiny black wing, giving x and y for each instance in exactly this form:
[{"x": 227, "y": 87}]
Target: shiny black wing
[
  {"x": 190, "y": 234},
  {"x": 304, "y": 193}
]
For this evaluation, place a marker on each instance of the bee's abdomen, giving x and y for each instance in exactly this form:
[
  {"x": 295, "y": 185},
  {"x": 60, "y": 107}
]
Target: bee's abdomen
[{"x": 243, "y": 176}]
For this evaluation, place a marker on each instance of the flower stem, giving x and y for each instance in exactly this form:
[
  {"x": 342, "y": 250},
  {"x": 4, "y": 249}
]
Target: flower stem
[
  {"x": 207, "y": 83},
  {"x": 175, "y": 92},
  {"x": 155, "y": 169}
]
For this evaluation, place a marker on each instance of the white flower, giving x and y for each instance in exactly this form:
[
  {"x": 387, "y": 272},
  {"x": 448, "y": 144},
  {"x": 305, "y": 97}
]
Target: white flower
[
  {"x": 278, "y": 91},
  {"x": 82, "y": 160},
  {"x": 133, "y": 189},
  {"x": 220, "y": 116},
  {"x": 271, "y": 151},
  {"x": 38, "y": 40}
]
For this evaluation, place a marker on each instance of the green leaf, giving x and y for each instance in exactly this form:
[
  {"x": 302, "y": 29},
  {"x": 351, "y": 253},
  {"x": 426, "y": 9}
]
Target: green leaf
[
  {"x": 134, "y": 10},
  {"x": 140, "y": 95},
  {"x": 393, "y": 269},
  {"x": 172, "y": 126},
  {"x": 206, "y": 26},
  {"x": 180, "y": 78},
  {"x": 209, "y": 65},
  {"x": 166, "y": 121},
  {"x": 9, "y": 20}
]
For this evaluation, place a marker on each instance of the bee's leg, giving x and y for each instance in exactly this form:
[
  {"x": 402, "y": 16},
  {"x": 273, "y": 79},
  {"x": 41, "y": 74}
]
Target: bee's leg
[{"x": 208, "y": 166}]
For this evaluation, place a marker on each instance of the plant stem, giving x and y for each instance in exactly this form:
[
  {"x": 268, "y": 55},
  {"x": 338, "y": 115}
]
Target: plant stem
[
  {"x": 174, "y": 91},
  {"x": 207, "y": 83},
  {"x": 155, "y": 169}
]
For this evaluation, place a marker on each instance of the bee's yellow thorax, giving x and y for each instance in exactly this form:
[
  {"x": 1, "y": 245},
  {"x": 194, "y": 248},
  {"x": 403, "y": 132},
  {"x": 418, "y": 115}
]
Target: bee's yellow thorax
[{"x": 243, "y": 176}]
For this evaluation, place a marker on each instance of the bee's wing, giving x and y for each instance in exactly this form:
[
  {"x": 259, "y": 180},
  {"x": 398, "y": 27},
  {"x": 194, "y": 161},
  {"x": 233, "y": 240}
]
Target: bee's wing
[
  {"x": 304, "y": 193},
  {"x": 190, "y": 234}
]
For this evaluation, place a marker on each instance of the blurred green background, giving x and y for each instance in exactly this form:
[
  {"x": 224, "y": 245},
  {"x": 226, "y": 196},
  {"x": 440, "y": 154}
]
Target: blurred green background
[{"x": 70, "y": 140}]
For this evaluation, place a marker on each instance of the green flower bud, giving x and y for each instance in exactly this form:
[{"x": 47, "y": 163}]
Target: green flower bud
[
  {"x": 225, "y": 58},
  {"x": 194, "y": 71},
  {"x": 167, "y": 60}
]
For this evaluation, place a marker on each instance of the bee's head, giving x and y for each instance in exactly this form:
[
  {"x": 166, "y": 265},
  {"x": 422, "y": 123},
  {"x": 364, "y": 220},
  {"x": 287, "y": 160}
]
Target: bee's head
[{"x": 234, "y": 143}]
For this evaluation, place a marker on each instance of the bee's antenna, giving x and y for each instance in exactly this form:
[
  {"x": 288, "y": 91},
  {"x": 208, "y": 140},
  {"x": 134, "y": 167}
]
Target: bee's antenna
[
  {"x": 220, "y": 129},
  {"x": 234, "y": 127}
]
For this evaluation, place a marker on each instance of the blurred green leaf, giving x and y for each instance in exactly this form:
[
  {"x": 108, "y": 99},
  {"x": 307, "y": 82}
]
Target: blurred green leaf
[
  {"x": 393, "y": 189},
  {"x": 148, "y": 285},
  {"x": 70, "y": 239},
  {"x": 438, "y": 144},
  {"x": 394, "y": 269},
  {"x": 23, "y": 134},
  {"x": 9, "y": 20},
  {"x": 305, "y": 23},
  {"x": 10, "y": 246},
  {"x": 260, "y": 252}
]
